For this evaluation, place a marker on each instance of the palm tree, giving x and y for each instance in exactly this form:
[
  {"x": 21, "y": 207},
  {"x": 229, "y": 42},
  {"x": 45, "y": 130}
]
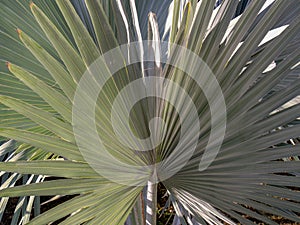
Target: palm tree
[{"x": 253, "y": 55}]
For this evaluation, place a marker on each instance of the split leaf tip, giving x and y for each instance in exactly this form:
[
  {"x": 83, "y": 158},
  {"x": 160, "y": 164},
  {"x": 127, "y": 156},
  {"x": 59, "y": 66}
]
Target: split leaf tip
[{"x": 31, "y": 5}]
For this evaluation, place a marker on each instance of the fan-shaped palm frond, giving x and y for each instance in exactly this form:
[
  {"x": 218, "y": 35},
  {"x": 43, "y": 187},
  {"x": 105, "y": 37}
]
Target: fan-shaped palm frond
[{"x": 256, "y": 170}]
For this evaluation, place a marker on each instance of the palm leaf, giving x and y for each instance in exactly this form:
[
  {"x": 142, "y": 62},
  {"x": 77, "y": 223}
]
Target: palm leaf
[{"x": 58, "y": 43}]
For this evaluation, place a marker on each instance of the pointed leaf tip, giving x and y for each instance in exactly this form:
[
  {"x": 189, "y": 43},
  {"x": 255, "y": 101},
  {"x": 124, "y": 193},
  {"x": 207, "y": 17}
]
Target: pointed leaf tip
[
  {"x": 188, "y": 4},
  {"x": 8, "y": 65},
  {"x": 19, "y": 31}
]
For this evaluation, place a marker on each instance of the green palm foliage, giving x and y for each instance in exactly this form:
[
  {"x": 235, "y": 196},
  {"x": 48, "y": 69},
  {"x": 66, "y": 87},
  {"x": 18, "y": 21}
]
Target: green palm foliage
[{"x": 46, "y": 47}]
